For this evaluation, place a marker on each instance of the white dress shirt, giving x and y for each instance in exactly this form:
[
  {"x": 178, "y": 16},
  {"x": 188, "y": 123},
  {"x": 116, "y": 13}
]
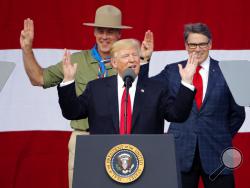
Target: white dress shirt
[
  {"x": 204, "y": 74},
  {"x": 120, "y": 86},
  {"x": 132, "y": 89}
]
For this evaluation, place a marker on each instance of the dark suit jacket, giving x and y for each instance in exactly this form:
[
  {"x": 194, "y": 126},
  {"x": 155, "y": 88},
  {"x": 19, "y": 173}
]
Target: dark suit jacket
[
  {"x": 99, "y": 103},
  {"x": 213, "y": 127}
]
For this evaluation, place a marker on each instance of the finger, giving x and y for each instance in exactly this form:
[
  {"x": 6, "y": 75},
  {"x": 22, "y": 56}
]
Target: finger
[
  {"x": 68, "y": 56},
  {"x": 148, "y": 42},
  {"x": 31, "y": 25},
  {"x": 22, "y": 33},
  {"x": 150, "y": 36},
  {"x": 25, "y": 24},
  {"x": 152, "y": 40},
  {"x": 65, "y": 56},
  {"x": 145, "y": 45},
  {"x": 147, "y": 35},
  {"x": 192, "y": 56},
  {"x": 196, "y": 61},
  {"x": 28, "y": 24},
  {"x": 189, "y": 58}
]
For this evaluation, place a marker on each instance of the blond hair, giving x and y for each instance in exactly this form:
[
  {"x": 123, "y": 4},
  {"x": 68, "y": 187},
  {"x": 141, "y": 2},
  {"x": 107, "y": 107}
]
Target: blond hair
[{"x": 124, "y": 44}]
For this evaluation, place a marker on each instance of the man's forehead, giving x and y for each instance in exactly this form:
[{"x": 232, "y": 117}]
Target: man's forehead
[{"x": 197, "y": 37}]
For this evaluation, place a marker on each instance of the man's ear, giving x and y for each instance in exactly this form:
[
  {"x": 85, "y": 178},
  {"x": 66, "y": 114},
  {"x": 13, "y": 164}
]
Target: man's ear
[
  {"x": 210, "y": 45},
  {"x": 186, "y": 46},
  {"x": 113, "y": 63}
]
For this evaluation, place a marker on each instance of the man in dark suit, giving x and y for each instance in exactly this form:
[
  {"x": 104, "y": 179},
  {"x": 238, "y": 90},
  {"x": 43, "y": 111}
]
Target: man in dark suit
[
  {"x": 214, "y": 119},
  {"x": 102, "y": 100}
]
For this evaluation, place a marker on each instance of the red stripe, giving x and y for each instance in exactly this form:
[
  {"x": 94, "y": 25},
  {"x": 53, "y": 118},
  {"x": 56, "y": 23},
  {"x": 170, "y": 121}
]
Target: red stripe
[
  {"x": 58, "y": 24},
  {"x": 38, "y": 159}
]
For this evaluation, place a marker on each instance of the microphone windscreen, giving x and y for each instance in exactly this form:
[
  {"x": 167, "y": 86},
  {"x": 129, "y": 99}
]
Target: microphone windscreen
[{"x": 129, "y": 73}]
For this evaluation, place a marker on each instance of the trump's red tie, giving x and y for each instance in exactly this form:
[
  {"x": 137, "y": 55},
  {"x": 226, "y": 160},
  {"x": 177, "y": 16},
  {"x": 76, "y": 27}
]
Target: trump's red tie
[
  {"x": 126, "y": 130},
  {"x": 199, "y": 87}
]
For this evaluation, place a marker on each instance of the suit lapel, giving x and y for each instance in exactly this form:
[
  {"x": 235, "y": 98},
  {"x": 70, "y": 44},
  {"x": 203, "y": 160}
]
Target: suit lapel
[
  {"x": 212, "y": 78},
  {"x": 138, "y": 102},
  {"x": 113, "y": 101}
]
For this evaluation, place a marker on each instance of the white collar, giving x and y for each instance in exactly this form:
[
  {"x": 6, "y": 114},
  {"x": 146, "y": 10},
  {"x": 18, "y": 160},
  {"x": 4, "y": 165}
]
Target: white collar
[
  {"x": 205, "y": 64},
  {"x": 121, "y": 82}
]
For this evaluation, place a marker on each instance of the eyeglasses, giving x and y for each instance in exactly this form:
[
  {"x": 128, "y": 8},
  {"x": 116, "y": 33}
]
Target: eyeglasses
[{"x": 202, "y": 45}]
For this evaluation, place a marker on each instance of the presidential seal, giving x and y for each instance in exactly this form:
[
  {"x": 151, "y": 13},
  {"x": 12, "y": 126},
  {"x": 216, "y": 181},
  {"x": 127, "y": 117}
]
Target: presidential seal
[{"x": 124, "y": 163}]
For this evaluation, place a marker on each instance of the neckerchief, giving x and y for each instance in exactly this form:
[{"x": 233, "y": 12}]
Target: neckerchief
[{"x": 103, "y": 72}]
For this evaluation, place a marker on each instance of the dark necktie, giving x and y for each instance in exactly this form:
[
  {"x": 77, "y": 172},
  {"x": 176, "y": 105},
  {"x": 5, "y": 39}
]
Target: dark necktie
[
  {"x": 199, "y": 87},
  {"x": 122, "y": 116}
]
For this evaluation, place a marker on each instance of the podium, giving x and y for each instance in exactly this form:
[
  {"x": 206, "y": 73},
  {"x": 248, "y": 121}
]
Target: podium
[{"x": 93, "y": 153}]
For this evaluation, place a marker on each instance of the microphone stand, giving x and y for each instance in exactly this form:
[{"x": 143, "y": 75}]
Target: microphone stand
[
  {"x": 128, "y": 78},
  {"x": 128, "y": 84}
]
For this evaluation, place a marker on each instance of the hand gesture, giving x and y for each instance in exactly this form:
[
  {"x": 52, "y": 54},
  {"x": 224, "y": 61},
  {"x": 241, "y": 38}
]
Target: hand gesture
[
  {"x": 188, "y": 72},
  {"x": 69, "y": 69},
  {"x": 27, "y": 35},
  {"x": 147, "y": 45}
]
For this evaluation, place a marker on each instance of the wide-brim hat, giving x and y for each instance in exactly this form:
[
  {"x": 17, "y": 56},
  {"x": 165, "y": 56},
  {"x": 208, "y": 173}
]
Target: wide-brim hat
[{"x": 108, "y": 16}]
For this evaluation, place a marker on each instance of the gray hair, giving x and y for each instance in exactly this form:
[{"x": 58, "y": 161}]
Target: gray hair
[{"x": 199, "y": 28}]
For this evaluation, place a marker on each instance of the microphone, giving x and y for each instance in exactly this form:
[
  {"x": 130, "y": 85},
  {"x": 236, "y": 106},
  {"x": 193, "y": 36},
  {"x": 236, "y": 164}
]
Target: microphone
[{"x": 128, "y": 77}]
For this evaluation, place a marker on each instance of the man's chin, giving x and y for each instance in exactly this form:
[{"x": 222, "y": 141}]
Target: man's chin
[{"x": 105, "y": 49}]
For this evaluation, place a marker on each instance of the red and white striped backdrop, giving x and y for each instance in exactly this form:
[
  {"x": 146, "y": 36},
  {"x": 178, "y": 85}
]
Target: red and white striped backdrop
[{"x": 58, "y": 25}]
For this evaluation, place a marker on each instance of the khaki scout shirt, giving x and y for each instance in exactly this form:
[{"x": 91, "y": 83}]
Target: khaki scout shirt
[{"x": 87, "y": 70}]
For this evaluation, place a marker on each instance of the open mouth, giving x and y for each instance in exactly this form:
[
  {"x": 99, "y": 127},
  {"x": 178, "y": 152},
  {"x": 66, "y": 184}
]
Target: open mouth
[{"x": 132, "y": 66}]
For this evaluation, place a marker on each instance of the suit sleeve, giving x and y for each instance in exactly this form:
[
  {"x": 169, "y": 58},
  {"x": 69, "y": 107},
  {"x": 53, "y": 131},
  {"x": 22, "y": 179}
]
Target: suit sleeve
[
  {"x": 237, "y": 117},
  {"x": 73, "y": 107},
  {"x": 177, "y": 109},
  {"x": 177, "y": 105},
  {"x": 143, "y": 74}
]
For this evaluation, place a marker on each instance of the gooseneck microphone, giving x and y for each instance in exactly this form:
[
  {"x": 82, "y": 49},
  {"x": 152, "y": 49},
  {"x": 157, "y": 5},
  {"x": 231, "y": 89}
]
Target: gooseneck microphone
[{"x": 128, "y": 78}]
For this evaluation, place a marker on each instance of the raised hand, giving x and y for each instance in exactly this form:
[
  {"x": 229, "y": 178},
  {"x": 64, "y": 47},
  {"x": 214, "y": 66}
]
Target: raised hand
[
  {"x": 147, "y": 45},
  {"x": 188, "y": 72},
  {"x": 69, "y": 69},
  {"x": 27, "y": 35}
]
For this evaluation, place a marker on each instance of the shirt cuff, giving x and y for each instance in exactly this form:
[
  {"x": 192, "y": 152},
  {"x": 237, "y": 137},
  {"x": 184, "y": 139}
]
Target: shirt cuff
[
  {"x": 66, "y": 83},
  {"x": 189, "y": 86}
]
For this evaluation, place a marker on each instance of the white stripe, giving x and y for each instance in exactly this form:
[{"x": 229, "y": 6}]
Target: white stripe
[{"x": 25, "y": 107}]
